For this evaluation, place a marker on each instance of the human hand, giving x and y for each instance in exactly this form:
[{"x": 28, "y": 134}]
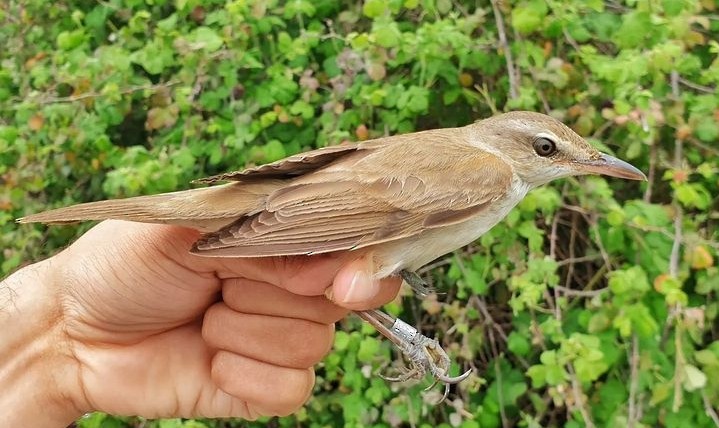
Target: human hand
[{"x": 126, "y": 321}]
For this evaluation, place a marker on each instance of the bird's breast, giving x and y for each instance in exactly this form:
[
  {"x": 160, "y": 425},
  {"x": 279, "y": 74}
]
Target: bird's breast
[{"x": 416, "y": 251}]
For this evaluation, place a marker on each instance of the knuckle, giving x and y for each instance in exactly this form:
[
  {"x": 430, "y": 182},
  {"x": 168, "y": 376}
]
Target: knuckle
[
  {"x": 212, "y": 322},
  {"x": 265, "y": 390},
  {"x": 231, "y": 290},
  {"x": 295, "y": 393},
  {"x": 219, "y": 372},
  {"x": 312, "y": 342}
]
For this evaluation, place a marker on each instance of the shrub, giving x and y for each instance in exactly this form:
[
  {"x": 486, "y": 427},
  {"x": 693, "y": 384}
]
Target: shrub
[{"x": 594, "y": 303}]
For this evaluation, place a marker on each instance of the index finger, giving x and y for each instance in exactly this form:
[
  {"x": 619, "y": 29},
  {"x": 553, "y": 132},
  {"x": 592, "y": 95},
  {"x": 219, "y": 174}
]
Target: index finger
[{"x": 303, "y": 275}]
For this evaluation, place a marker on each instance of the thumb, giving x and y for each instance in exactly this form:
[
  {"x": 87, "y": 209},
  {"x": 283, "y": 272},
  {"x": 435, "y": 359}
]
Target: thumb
[{"x": 356, "y": 287}]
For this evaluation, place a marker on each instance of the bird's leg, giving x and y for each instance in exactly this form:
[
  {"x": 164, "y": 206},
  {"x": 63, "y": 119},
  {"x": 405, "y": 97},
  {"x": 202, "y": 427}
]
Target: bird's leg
[
  {"x": 420, "y": 287},
  {"x": 424, "y": 354}
]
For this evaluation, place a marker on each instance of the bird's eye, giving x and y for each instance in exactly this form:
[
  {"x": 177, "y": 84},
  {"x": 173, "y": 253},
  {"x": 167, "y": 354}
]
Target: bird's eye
[{"x": 545, "y": 147}]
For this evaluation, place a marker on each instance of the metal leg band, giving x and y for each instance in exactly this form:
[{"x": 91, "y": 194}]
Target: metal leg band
[{"x": 404, "y": 330}]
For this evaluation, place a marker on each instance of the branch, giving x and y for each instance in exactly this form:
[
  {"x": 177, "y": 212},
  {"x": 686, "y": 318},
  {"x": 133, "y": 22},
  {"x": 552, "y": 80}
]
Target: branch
[
  {"x": 679, "y": 216},
  {"x": 580, "y": 293},
  {"x": 578, "y": 397},
  {"x": 513, "y": 90},
  {"x": 553, "y": 237},
  {"x": 679, "y": 360},
  {"x": 709, "y": 409},
  {"x": 634, "y": 414},
  {"x": 582, "y": 259},
  {"x": 482, "y": 306},
  {"x": 679, "y": 363},
  {"x": 87, "y": 95},
  {"x": 653, "y": 154},
  {"x": 502, "y": 413},
  {"x": 696, "y": 86}
]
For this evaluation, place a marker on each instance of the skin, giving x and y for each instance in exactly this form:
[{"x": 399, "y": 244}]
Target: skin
[{"x": 126, "y": 321}]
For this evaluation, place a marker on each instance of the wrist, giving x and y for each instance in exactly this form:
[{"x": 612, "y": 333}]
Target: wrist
[{"x": 37, "y": 370}]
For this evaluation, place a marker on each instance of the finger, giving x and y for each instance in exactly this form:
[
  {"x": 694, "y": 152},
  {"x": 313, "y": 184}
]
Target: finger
[
  {"x": 286, "y": 342},
  {"x": 304, "y": 275},
  {"x": 267, "y": 389},
  {"x": 355, "y": 286},
  {"x": 253, "y": 297}
]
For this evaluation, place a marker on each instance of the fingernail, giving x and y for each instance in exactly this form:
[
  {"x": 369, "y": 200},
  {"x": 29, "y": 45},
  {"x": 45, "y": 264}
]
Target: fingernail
[{"x": 362, "y": 288}]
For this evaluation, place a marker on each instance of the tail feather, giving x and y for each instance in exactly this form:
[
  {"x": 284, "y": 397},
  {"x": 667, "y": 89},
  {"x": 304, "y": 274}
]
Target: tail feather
[{"x": 205, "y": 209}]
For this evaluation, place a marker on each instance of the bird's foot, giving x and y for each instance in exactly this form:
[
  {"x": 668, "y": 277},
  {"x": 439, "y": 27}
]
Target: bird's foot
[
  {"x": 420, "y": 287},
  {"x": 425, "y": 355}
]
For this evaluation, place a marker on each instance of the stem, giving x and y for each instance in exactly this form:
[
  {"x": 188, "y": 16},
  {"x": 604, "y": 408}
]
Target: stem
[
  {"x": 679, "y": 359},
  {"x": 634, "y": 415},
  {"x": 513, "y": 91},
  {"x": 578, "y": 397}
]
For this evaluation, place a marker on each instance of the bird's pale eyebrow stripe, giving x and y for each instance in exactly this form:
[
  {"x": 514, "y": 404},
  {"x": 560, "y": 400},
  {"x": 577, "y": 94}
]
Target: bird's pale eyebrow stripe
[{"x": 547, "y": 135}]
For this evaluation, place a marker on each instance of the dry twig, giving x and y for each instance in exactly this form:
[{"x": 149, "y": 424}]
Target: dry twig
[
  {"x": 679, "y": 359},
  {"x": 578, "y": 397},
  {"x": 634, "y": 410},
  {"x": 88, "y": 95},
  {"x": 511, "y": 73},
  {"x": 709, "y": 409}
]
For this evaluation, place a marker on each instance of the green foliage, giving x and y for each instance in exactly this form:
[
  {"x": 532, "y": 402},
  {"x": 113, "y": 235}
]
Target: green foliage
[{"x": 593, "y": 303}]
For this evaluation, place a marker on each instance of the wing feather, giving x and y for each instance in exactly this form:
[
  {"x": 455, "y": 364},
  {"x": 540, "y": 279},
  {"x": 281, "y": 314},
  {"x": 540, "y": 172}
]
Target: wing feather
[
  {"x": 394, "y": 191},
  {"x": 288, "y": 167},
  {"x": 206, "y": 209}
]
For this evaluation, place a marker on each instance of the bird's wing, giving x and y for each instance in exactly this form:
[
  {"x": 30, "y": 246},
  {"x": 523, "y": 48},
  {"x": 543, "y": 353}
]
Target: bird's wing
[
  {"x": 403, "y": 187},
  {"x": 288, "y": 167}
]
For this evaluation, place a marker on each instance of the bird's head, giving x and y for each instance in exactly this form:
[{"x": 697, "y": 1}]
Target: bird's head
[{"x": 541, "y": 149}]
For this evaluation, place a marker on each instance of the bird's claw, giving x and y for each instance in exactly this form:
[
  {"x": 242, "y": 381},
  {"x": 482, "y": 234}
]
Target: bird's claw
[
  {"x": 454, "y": 379},
  {"x": 425, "y": 355}
]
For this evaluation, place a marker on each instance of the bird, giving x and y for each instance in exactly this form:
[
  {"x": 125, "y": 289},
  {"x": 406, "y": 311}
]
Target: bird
[{"x": 409, "y": 199}]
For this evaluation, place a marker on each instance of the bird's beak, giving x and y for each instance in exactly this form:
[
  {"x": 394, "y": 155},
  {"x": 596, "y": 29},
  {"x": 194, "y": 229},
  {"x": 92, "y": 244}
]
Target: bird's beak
[{"x": 609, "y": 165}]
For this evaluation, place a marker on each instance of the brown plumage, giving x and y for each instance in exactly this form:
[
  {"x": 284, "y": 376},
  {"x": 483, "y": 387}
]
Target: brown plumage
[{"x": 404, "y": 192}]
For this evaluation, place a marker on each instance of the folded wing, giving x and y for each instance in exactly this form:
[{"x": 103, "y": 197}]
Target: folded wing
[{"x": 394, "y": 191}]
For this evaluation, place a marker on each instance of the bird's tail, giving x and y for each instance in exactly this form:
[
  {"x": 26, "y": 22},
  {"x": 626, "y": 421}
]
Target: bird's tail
[{"x": 205, "y": 209}]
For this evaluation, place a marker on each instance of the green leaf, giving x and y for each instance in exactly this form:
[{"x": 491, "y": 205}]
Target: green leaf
[
  {"x": 632, "y": 281},
  {"x": 528, "y": 17},
  {"x": 693, "y": 195},
  {"x": 170, "y": 423},
  {"x": 635, "y": 27},
  {"x": 673, "y": 7},
  {"x": 302, "y": 109},
  {"x": 411, "y": 4},
  {"x": 100, "y": 420},
  {"x": 707, "y": 129},
  {"x": 387, "y": 36},
  {"x": 154, "y": 57},
  {"x": 268, "y": 118},
  {"x": 374, "y": 8},
  {"x": 476, "y": 282},
  {"x": 415, "y": 100},
  {"x": 342, "y": 340},
  {"x": 693, "y": 378},
  {"x": 368, "y": 349},
  {"x": 274, "y": 150},
  {"x": 518, "y": 344},
  {"x": 68, "y": 40},
  {"x": 205, "y": 38}
]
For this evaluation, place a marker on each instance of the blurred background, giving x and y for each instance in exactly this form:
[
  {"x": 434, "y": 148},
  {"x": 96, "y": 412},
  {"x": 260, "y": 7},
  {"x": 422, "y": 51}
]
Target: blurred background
[{"x": 593, "y": 304}]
